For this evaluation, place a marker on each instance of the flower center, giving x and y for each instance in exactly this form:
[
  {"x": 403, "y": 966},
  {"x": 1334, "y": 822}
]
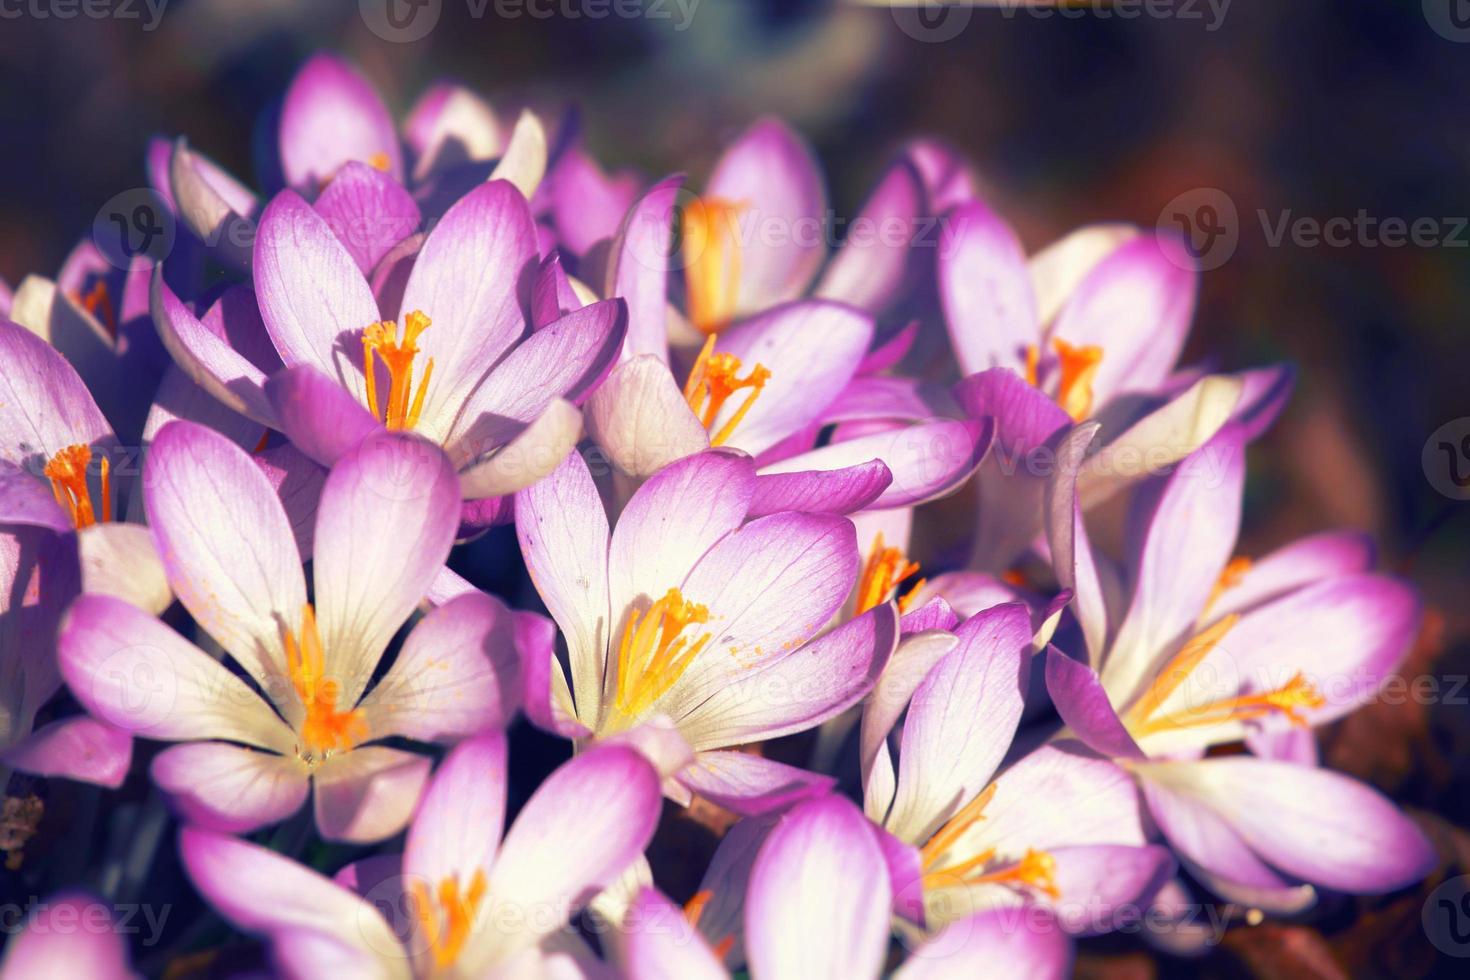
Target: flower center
[
  {"x": 885, "y": 568},
  {"x": 711, "y": 242},
  {"x": 325, "y": 729},
  {"x": 67, "y": 471},
  {"x": 1289, "y": 700},
  {"x": 1232, "y": 576},
  {"x": 397, "y": 354},
  {"x": 447, "y": 916},
  {"x": 714, "y": 378},
  {"x": 98, "y": 302},
  {"x": 1076, "y": 371},
  {"x": 1035, "y": 870},
  {"x": 653, "y": 654}
]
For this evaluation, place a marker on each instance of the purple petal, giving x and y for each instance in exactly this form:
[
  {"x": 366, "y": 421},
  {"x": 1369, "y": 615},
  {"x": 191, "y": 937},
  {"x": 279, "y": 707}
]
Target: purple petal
[
  {"x": 1263, "y": 397},
  {"x": 1058, "y": 796},
  {"x": 889, "y": 351},
  {"x": 368, "y": 794},
  {"x": 79, "y": 748},
  {"x": 47, "y": 406},
  {"x": 586, "y": 203},
  {"x": 215, "y": 206},
  {"x": 1103, "y": 886},
  {"x": 750, "y": 785},
  {"x": 369, "y": 212},
  {"x": 228, "y": 788},
  {"x": 319, "y": 416},
  {"x": 26, "y": 500},
  {"x": 841, "y": 491},
  {"x": 207, "y": 359},
  {"x": 332, "y": 115},
  {"x": 1302, "y": 563},
  {"x": 546, "y": 699},
  {"x": 531, "y": 454},
  {"x": 1059, "y": 268},
  {"x": 972, "y": 946},
  {"x": 871, "y": 267},
  {"x": 553, "y": 296},
  {"x": 642, "y": 255},
  {"x": 658, "y": 943},
  {"x": 933, "y": 614},
  {"x": 459, "y": 821},
  {"x": 948, "y": 180},
  {"x": 60, "y": 938},
  {"x": 450, "y": 125},
  {"x": 989, "y": 306},
  {"x": 1083, "y": 704}
]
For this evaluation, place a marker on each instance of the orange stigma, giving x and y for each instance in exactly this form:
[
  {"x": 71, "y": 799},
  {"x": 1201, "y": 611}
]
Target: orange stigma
[
  {"x": 380, "y": 161},
  {"x": 325, "y": 729},
  {"x": 397, "y": 355},
  {"x": 1037, "y": 869},
  {"x": 1289, "y": 700},
  {"x": 1076, "y": 371},
  {"x": 448, "y": 916},
  {"x": 1232, "y": 576},
  {"x": 885, "y": 568},
  {"x": 714, "y": 378},
  {"x": 653, "y": 654},
  {"x": 694, "y": 909},
  {"x": 67, "y": 471},
  {"x": 98, "y": 302},
  {"x": 711, "y": 231}
]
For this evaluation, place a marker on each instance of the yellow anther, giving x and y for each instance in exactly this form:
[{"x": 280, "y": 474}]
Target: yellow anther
[
  {"x": 447, "y": 917},
  {"x": 885, "y": 568},
  {"x": 712, "y": 380},
  {"x": 653, "y": 654},
  {"x": 397, "y": 356}
]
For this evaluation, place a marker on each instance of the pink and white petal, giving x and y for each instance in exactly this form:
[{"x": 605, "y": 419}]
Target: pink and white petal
[
  {"x": 890, "y": 350},
  {"x": 468, "y": 280},
  {"x": 61, "y": 940},
  {"x": 768, "y": 587},
  {"x": 841, "y": 491},
  {"x": 961, "y": 720},
  {"x": 989, "y": 305},
  {"x": 751, "y": 785},
  {"x": 771, "y": 172},
  {"x": 524, "y": 161},
  {"x": 367, "y": 583},
  {"x": 457, "y": 673},
  {"x": 1263, "y": 396},
  {"x": 1066, "y": 536},
  {"x": 1303, "y": 562},
  {"x": 120, "y": 560},
  {"x": 80, "y": 748},
  {"x": 658, "y": 943},
  {"x": 812, "y": 349},
  {"x": 298, "y": 483},
  {"x": 332, "y": 115},
  {"x": 928, "y": 460},
  {"x": 134, "y": 673},
  {"x": 320, "y": 417},
  {"x": 910, "y": 664},
  {"x": 931, "y": 614},
  {"x": 968, "y": 593},
  {"x": 819, "y": 898},
  {"x": 563, "y": 533},
  {"x": 545, "y": 696},
  {"x": 1059, "y": 268},
  {"x": 215, "y": 206},
  {"x": 208, "y": 359},
  {"x": 586, "y": 203},
  {"x": 791, "y": 692},
  {"x": 1185, "y": 529},
  {"x": 1059, "y": 796},
  {"x": 1298, "y": 745},
  {"x": 552, "y": 297},
  {"x": 459, "y": 821},
  {"x": 659, "y": 741},
  {"x": 226, "y": 545},
  {"x": 390, "y": 277},
  {"x": 265, "y": 893},
  {"x": 450, "y": 125},
  {"x": 870, "y": 398},
  {"x": 228, "y": 788},
  {"x": 530, "y": 455},
  {"x": 973, "y": 946},
  {"x": 368, "y": 794},
  {"x": 561, "y": 851},
  {"x": 369, "y": 211},
  {"x": 25, "y": 500},
  {"x": 872, "y": 266},
  {"x": 1084, "y": 706},
  {"x": 1104, "y": 886},
  {"x": 948, "y": 178},
  {"x": 639, "y": 417},
  {"x": 47, "y": 406},
  {"x": 673, "y": 521},
  {"x": 1136, "y": 304},
  {"x": 639, "y": 271}
]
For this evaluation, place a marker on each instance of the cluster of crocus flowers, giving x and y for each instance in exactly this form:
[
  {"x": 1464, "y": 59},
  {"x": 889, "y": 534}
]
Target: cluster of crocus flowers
[{"x": 231, "y": 575}]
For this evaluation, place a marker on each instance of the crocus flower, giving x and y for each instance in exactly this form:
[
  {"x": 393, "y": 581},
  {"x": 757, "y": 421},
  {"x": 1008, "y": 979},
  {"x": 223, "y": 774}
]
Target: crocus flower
[
  {"x": 460, "y": 369},
  {"x": 1202, "y": 650},
  {"x": 39, "y": 576},
  {"x": 71, "y": 935},
  {"x": 470, "y": 903},
  {"x": 689, "y": 616},
  {"x": 1059, "y": 827},
  {"x": 817, "y": 905},
  {"x": 384, "y": 527}
]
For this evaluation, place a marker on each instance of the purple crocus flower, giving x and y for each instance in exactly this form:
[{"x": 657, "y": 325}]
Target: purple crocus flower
[
  {"x": 467, "y": 902},
  {"x": 1199, "y": 650},
  {"x": 461, "y": 369},
  {"x": 1059, "y": 826},
  {"x": 817, "y": 905},
  {"x": 71, "y": 934},
  {"x": 689, "y": 617},
  {"x": 384, "y": 527}
]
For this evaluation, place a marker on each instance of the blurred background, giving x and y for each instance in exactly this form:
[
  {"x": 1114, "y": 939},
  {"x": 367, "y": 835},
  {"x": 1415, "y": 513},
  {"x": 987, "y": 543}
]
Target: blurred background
[{"x": 1253, "y": 121}]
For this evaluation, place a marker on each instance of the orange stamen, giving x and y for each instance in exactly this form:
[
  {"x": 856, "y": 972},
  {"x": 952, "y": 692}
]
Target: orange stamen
[
  {"x": 325, "y": 729},
  {"x": 944, "y": 838},
  {"x": 67, "y": 471},
  {"x": 1077, "y": 372},
  {"x": 447, "y": 917},
  {"x": 712, "y": 380},
  {"x": 1036, "y": 869},
  {"x": 397, "y": 356},
  {"x": 1232, "y": 576},
  {"x": 98, "y": 302},
  {"x": 712, "y": 261},
  {"x": 380, "y": 161},
  {"x": 1033, "y": 362},
  {"x": 653, "y": 654},
  {"x": 885, "y": 568}
]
